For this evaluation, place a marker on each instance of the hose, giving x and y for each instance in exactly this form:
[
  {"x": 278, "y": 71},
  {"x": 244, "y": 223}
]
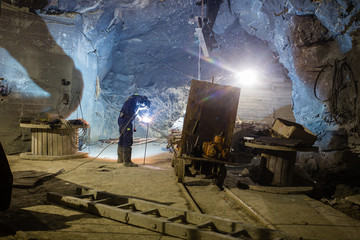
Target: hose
[{"x": 339, "y": 114}]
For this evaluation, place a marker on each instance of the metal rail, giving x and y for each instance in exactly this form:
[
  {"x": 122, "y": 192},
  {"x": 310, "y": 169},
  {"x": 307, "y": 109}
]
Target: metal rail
[
  {"x": 195, "y": 206},
  {"x": 189, "y": 199},
  {"x": 263, "y": 221}
]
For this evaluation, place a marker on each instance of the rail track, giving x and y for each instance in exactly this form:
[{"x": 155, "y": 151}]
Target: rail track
[{"x": 223, "y": 203}]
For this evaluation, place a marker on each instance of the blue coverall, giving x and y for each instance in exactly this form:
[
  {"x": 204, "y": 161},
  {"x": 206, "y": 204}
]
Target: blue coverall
[{"x": 127, "y": 116}]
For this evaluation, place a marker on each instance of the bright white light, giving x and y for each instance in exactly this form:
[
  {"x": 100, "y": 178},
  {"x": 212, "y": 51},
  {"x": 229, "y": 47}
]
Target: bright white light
[
  {"x": 247, "y": 77},
  {"x": 145, "y": 119}
]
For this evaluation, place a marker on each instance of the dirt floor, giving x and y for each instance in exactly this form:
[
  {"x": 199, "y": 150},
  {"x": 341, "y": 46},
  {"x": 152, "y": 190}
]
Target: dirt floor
[{"x": 31, "y": 216}]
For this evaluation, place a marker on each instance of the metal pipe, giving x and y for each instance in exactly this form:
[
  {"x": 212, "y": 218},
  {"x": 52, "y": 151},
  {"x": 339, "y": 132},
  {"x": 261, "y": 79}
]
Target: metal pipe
[{"x": 147, "y": 133}]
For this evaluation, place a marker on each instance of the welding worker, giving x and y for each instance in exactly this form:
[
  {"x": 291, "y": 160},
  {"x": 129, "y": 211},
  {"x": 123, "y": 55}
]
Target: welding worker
[{"x": 128, "y": 112}]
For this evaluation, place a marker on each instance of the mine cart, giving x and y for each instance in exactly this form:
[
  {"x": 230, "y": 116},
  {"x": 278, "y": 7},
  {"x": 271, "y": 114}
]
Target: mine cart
[{"x": 204, "y": 146}]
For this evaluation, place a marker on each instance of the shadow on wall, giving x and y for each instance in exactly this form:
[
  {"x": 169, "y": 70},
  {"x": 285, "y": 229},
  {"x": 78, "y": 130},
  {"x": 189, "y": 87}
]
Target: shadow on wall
[
  {"x": 42, "y": 76},
  {"x": 26, "y": 38}
]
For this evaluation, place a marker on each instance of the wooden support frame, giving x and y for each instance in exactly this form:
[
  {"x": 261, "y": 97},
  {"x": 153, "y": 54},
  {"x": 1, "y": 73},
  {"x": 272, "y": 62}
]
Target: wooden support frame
[{"x": 280, "y": 160}]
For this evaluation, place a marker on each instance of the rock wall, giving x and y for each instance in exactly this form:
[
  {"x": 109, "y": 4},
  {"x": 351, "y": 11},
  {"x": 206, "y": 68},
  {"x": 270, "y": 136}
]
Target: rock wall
[
  {"x": 329, "y": 97},
  {"x": 42, "y": 77},
  {"x": 109, "y": 50}
]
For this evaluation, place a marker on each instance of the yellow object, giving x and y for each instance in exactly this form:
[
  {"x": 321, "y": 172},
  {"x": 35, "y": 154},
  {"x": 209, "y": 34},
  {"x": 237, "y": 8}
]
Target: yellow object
[
  {"x": 216, "y": 149},
  {"x": 219, "y": 140}
]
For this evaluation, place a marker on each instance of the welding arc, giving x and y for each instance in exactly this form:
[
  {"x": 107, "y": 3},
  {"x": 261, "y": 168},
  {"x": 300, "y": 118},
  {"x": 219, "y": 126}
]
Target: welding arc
[{"x": 152, "y": 127}]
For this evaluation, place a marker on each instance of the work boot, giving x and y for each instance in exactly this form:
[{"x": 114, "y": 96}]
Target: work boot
[
  {"x": 120, "y": 152},
  {"x": 127, "y": 158}
]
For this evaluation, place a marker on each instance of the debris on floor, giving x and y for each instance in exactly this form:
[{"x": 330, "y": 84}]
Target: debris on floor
[{"x": 30, "y": 179}]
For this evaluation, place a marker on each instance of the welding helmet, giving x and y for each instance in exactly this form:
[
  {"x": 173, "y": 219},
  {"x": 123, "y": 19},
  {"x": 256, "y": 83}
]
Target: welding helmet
[{"x": 145, "y": 102}]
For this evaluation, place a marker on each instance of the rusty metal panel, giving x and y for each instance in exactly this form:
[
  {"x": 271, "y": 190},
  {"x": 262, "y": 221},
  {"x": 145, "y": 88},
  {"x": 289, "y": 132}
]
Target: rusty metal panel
[{"x": 211, "y": 110}]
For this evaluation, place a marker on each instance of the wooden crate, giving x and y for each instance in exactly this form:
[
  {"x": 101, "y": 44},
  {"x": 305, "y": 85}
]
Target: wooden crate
[{"x": 293, "y": 130}]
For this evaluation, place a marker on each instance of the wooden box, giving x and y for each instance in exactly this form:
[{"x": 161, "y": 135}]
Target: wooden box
[{"x": 288, "y": 129}]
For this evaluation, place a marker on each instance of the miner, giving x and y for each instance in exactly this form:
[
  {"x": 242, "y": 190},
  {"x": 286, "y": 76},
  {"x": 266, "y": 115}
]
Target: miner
[{"x": 128, "y": 113}]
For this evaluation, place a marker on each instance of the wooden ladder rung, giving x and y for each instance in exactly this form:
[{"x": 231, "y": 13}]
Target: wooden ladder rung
[
  {"x": 101, "y": 200},
  {"x": 85, "y": 196},
  {"x": 126, "y": 205},
  {"x": 152, "y": 211},
  {"x": 207, "y": 224},
  {"x": 239, "y": 233},
  {"x": 175, "y": 218}
]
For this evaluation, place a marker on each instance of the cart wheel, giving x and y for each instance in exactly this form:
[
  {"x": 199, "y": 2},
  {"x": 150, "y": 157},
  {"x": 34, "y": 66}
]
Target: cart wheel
[
  {"x": 173, "y": 159},
  {"x": 176, "y": 166},
  {"x": 181, "y": 170},
  {"x": 220, "y": 176}
]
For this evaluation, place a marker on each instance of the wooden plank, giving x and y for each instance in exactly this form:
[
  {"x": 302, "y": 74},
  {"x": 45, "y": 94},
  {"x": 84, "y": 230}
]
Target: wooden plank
[
  {"x": 33, "y": 141},
  {"x": 37, "y": 142},
  {"x": 39, "y": 146},
  {"x": 44, "y": 142},
  {"x": 72, "y": 141},
  {"x": 47, "y": 126},
  {"x": 67, "y": 140},
  {"x": 354, "y": 199},
  {"x": 279, "y": 170},
  {"x": 60, "y": 142},
  {"x": 209, "y": 160},
  {"x": 282, "y": 190},
  {"x": 35, "y": 126},
  {"x": 282, "y": 166},
  {"x": 50, "y": 142},
  {"x": 55, "y": 142},
  {"x": 280, "y": 148},
  {"x": 279, "y": 141},
  {"x": 270, "y": 162}
]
